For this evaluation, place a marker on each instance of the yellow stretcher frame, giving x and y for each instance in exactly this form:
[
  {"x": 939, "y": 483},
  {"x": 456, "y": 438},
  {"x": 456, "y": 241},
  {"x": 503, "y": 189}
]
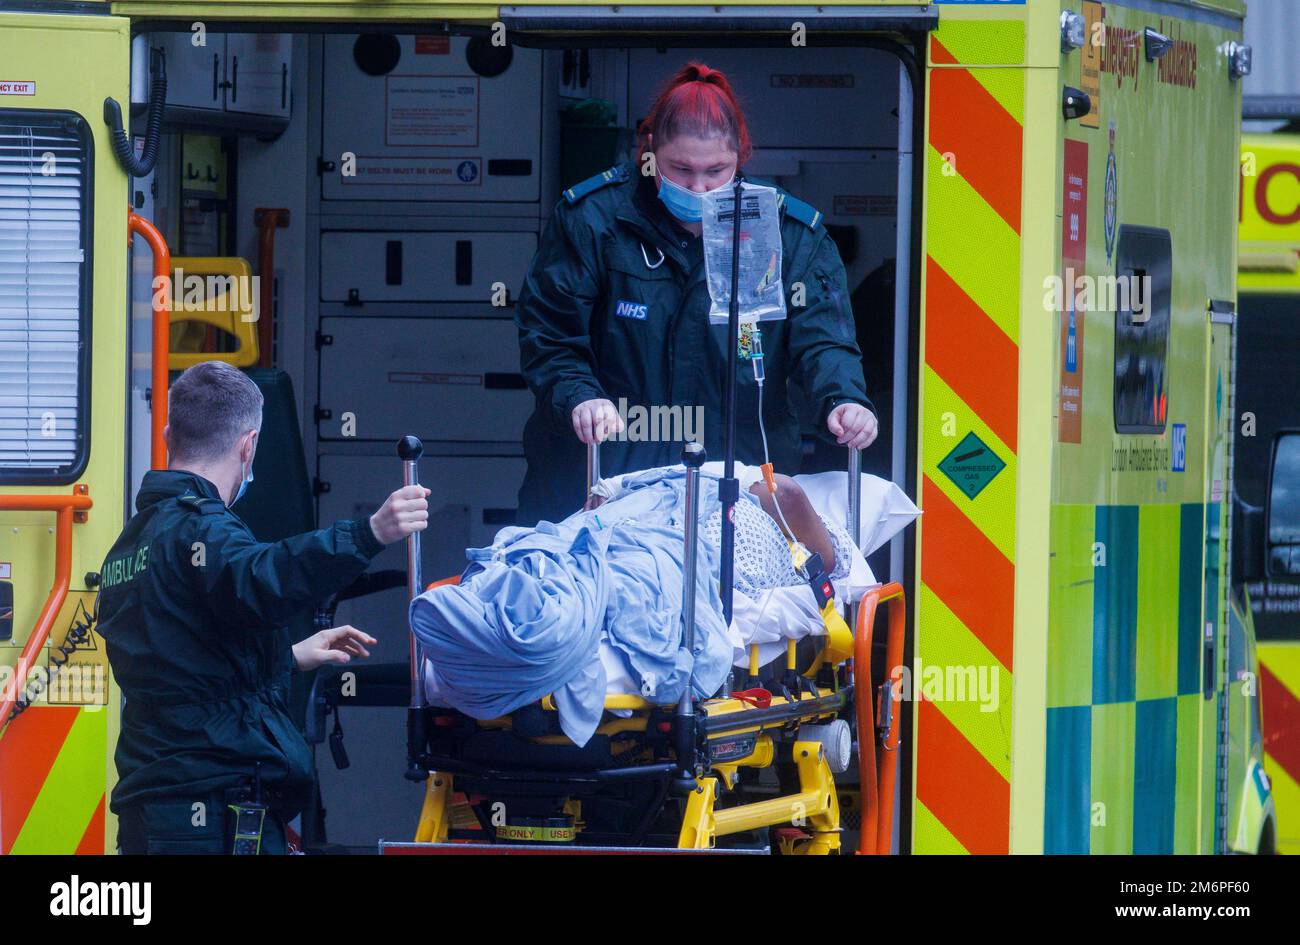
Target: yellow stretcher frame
[{"x": 813, "y": 811}]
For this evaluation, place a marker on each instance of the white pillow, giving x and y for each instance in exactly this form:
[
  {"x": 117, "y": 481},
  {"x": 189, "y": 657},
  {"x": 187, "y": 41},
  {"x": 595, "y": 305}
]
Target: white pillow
[{"x": 885, "y": 510}]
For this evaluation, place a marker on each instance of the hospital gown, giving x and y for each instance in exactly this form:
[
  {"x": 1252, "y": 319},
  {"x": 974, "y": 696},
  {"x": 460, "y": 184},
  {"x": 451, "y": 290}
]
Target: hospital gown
[{"x": 762, "y": 553}]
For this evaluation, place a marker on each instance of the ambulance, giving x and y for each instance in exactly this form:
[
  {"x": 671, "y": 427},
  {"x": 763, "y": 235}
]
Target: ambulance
[
  {"x": 1035, "y": 203},
  {"x": 1267, "y": 436}
]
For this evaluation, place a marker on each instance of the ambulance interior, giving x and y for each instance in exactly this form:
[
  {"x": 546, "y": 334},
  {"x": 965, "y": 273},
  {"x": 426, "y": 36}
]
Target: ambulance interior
[{"x": 400, "y": 180}]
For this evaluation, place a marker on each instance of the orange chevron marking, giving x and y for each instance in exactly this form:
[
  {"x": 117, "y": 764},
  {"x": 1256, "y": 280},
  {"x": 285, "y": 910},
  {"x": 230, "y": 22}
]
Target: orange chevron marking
[
  {"x": 968, "y": 572},
  {"x": 967, "y": 348},
  {"x": 975, "y": 807},
  {"x": 28, "y": 752},
  {"x": 968, "y": 122}
]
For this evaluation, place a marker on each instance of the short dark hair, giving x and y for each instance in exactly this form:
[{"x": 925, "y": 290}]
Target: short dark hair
[{"x": 209, "y": 407}]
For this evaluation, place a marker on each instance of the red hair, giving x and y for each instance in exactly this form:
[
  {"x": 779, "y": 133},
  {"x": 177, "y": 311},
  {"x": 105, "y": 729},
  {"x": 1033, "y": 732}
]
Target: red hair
[{"x": 697, "y": 101}]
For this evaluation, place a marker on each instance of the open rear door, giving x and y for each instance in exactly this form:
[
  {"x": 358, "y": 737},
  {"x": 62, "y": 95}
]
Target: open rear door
[{"x": 63, "y": 253}]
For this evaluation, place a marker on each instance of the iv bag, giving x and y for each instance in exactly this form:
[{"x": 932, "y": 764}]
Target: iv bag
[{"x": 762, "y": 296}]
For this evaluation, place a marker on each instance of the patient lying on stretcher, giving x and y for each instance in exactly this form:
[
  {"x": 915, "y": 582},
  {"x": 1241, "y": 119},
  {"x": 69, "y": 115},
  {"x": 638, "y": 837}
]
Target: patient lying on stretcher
[
  {"x": 574, "y": 608},
  {"x": 762, "y": 552}
]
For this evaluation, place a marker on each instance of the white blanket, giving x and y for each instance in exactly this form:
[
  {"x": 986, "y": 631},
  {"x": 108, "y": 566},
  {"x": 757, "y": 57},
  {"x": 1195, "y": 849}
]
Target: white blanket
[{"x": 785, "y": 613}]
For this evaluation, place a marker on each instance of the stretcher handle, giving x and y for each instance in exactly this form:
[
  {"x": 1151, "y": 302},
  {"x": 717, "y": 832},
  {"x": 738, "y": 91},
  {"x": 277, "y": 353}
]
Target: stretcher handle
[
  {"x": 693, "y": 457},
  {"x": 853, "y": 511},
  {"x": 409, "y": 450},
  {"x": 854, "y": 505},
  {"x": 593, "y": 466},
  {"x": 684, "y": 740}
]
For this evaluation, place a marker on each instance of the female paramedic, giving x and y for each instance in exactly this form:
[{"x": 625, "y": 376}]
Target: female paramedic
[{"x": 614, "y": 311}]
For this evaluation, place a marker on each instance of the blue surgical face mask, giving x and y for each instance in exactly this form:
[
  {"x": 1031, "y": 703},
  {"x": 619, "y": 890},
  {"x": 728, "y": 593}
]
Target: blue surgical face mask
[
  {"x": 243, "y": 485},
  {"x": 684, "y": 203}
]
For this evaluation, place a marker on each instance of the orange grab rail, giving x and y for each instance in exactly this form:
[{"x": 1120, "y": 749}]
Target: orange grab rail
[
  {"x": 876, "y": 833},
  {"x": 64, "y": 507},
  {"x": 266, "y": 219},
  {"x": 162, "y": 269}
]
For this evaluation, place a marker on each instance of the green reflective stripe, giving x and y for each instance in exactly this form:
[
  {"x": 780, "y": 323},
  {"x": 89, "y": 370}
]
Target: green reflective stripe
[
  {"x": 1112, "y": 778},
  {"x": 1187, "y": 774},
  {"x": 1136, "y": 625},
  {"x": 1157, "y": 602},
  {"x": 1069, "y": 639}
]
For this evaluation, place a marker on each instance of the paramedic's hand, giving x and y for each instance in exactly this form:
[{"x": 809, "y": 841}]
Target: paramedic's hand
[
  {"x": 336, "y": 645},
  {"x": 404, "y": 512},
  {"x": 596, "y": 420},
  {"x": 852, "y": 425}
]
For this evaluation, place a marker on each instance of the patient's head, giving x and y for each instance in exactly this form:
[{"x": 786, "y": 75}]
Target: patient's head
[{"x": 214, "y": 414}]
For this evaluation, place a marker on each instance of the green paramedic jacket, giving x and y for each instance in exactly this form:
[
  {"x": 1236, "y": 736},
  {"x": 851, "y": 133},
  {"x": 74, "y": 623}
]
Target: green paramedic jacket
[
  {"x": 616, "y": 306},
  {"x": 192, "y": 609}
]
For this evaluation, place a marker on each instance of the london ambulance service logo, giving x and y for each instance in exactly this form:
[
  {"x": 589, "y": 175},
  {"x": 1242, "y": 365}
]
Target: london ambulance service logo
[{"x": 1112, "y": 196}]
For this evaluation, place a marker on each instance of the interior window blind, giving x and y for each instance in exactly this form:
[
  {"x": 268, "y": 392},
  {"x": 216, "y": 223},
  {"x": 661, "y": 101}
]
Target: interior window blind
[{"x": 44, "y": 321}]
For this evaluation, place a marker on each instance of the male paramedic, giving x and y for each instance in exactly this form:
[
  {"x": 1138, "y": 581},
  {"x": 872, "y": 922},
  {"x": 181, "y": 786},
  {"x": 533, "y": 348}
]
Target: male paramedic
[{"x": 192, "y": 609}]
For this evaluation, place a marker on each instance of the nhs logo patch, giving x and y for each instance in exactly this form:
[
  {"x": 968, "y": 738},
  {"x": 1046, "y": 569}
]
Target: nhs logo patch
[
  {"x": 637, "y": 310},
  {"x": 1178, "y": 452}
]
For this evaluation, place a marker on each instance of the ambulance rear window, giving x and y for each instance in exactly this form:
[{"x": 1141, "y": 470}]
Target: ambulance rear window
[
  {"x": 45, "y": 179},
  {"x": 1142, "y": 276}
]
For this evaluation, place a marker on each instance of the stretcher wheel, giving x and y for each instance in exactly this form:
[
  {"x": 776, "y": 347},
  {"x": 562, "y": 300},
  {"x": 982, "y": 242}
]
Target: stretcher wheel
[{"x": 836, "y": 741}]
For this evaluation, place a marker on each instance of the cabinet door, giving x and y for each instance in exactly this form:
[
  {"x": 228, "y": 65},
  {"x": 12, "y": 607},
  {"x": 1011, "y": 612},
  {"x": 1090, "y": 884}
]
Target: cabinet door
[
  {"x": 257, "y": 66},
  {"x": 195, "y": 74}
]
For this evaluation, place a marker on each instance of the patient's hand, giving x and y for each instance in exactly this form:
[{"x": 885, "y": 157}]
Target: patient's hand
[{"x": 593, "y": 502}]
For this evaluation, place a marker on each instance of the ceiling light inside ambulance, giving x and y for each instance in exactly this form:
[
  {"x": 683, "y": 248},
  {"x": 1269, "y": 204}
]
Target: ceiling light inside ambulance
[
  {"x": 1239, "y": 56},
  {"x": 1072, "y": 30}
]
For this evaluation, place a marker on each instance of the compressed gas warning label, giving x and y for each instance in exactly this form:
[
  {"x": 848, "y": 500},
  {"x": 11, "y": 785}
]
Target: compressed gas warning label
[{"x": 972, "y": 465}]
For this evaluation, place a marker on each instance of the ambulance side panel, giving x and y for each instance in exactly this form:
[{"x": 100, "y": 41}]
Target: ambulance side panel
[
  {"x": 56, "y": 764},
  {"x": 1137, "y": 641}
]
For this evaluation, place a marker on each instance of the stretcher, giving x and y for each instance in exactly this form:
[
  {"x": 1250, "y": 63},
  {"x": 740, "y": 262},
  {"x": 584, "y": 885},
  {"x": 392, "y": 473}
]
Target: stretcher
[{"x": 752, "y": 768}]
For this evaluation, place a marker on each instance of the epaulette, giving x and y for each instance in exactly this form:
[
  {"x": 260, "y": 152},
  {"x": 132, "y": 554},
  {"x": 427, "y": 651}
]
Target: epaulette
[
  {"x": 616, "y": 174},
  {"x": 796, "y": 208},
  {"x": 202, "y": 505}
]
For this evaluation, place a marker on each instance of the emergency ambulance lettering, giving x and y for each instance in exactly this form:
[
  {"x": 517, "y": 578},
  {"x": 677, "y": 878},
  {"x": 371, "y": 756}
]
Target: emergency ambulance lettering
[
  {"x": 1119, "y": 54},
  {"x": 1178, "y": 66}
]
